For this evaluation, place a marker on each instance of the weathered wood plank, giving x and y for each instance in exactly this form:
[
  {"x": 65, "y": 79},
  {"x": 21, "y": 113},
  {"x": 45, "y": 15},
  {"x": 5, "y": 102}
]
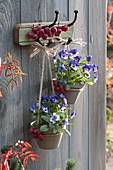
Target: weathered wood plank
[
  {"x": 97, "y": 41},
  {"x": 79, "y": 139},
  {"x": 11, "y": 104}
]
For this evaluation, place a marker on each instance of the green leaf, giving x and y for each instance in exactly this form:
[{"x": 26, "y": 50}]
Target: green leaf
[
  {"x": 44, "y": 128},
  {"x": 90, "y": 83},
  {"x": 45, "y": 118}
]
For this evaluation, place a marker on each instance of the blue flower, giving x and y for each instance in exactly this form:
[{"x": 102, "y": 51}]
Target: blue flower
[
  {"x": 95, "y": 68},
  {"x": 88, "y": 59},
  {"x": 33, "y": 106},
  {"x": 62, "y": 96},
  {"x": 54, "y": 98},
  {"x": 86, "y": 67},
  {"x": 77, "y": 58},
  {"x": 62, "y": 108},
  {"x": 95, "y": 78},
  {"x": 74, "y": 51},
  {"x": 45, "y": 109},
  {"x": 63, "y": 54},
  {"x": 54, "y": 118},
  {"x": 73, "y": 65},
  {"x": 73, "y": 115},
  {"x": 44, "y": 99},
  {"x": 65, "y": 122},
  {"x": 61, "y": 67}
]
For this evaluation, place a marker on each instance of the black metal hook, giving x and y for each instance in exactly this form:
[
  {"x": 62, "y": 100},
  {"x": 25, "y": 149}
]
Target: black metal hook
[
  {"x": 55, "y": 20},
  {"x": 75, "y": 18}
]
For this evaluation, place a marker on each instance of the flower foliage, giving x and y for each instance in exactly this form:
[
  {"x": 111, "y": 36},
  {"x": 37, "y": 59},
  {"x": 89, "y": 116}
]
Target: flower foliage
[
  {"x": 71, "y": 68},
  {"x": 12, "y": 71},
  {"x": 52, "y": 115},
  {"x": 16, "y": 156}
]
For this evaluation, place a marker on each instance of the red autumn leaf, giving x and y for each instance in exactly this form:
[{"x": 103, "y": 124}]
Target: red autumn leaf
[
  {"x": 24, "y": 149},
  {"x": 25, "y": 160},
  {"x": 27, "y": 145}
]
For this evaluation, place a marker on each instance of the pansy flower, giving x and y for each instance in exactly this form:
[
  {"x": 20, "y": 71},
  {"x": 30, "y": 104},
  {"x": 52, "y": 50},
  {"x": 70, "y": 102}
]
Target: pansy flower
[
  {"x": 61, "y": 67},
  {"x": 77, "y": 58},
  {"x": 54, "y": 98},
  {"x": 74, "y": 51},
  {"x": 44, "y": 99},
  {"x": 88, "y": 59},
  {"x": 63, "y": 54},
  {"x": 65, "y": 122},
  {"x": 45, "y": 109},
  {"x": 95, "y": 68},
  {"x": 62, "y": 107},
  {"x": 73, "y": 65},
  {"x": 95, "y": 78},
  {"x": 73, "y": 115},
  {"x": 33, "y": 106},
  {"x": 86, "y": 68},
  {"x": 54, "y": 118}
]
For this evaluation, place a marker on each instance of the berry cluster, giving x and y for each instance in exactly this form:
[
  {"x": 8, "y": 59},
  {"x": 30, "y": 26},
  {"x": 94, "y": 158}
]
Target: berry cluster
[
  {"x": 45, "y": 32},
  {"x": 58, "y": 88},
  {"x": 35, "y": 133}
]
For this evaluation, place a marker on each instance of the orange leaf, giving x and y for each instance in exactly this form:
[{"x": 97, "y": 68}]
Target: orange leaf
[
  {"x": 24, "y": 149},
  {"x": 29, "y": 152},
  {"x": 33, "y": 159},
  {"x": 25, "y": 160},
  {"x": 34, "y": 155},
  {"x": 22, "y": 155},
  {"x": 27, "y": 145}
]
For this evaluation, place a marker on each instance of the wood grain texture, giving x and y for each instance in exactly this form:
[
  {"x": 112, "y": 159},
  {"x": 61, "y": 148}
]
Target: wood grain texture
[
  {"x": 88, "y": 134},
  {"x": 10, "y": 104},
  {"x": 97, "y": 33}
]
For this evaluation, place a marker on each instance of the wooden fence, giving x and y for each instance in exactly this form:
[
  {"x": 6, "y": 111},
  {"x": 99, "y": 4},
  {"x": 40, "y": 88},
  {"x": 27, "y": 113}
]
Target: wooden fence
[{"x": 87, "y": 143}]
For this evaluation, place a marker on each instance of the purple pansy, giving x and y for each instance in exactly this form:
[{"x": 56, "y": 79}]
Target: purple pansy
[
  {"x": 86, "y": 67},
  {"x": 45, "y": 109},
  {"x": 44, "y": 99},
  {"x": 61, "y": 67},
  {"x": 95, "y": 68},
  {"x": 54, "y": 118},
  {"x": 33, "y": 106},
  {"x": 74, "y": 51},
  {"x": 88, "y": 59},
  {"x": 62, "y": 108},
  {"x": 95, "y": 78},
  {"x": 77, "y": 58},
  {"x": 73, "y": 65},
  {"x": 73, "y": 115},
  {"x": 63, "y": 54},
  {"x": 65, "y": 122},
  {"x": 54, "y": 98}
]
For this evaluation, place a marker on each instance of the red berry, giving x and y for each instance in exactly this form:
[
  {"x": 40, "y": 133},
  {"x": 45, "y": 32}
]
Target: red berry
[
  {"x": 65, "y": 28},
  {"x": 46, "y": 30},
  {"x": 35, "y": 131},
  {"x": 30, "y": 130},
  {"x": 44, "y": 36},
  {"x": 35, "y": 135},
  {"x": 50, "y": 34},
  {"x": 41, "y": 32},
  {"x": 35, "y": 36},
  {"x": 57, "y": 89},
  {"x": 34, "y": 29},
  {"x": 29, "y": 35},
  {"x": 59, "y": 31},
  {"x": 55, "y": 83},
  {"x": 54, "y": 30},
  {"x": 41, "y": 137},
  {"x": 59, "y": 27},
  {"x": 63, "y": 90}
]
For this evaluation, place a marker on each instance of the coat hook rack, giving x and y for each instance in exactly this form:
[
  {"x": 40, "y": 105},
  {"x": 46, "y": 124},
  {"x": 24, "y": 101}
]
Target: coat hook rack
[{"x": 44, "y": 33}]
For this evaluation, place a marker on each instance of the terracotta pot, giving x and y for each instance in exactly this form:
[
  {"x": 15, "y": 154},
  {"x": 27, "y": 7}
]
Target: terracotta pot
[{"x": 51, "y": 140}]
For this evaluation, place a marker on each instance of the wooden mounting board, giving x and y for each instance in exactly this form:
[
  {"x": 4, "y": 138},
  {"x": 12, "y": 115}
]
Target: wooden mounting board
[{"x": 21, "y": 30}]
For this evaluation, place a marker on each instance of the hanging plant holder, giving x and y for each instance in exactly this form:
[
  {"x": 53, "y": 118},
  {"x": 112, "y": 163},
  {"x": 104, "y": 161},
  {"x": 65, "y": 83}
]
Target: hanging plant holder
[
  {"x": 73, "y": 94},
  {"x": 50, "y": 141}
]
